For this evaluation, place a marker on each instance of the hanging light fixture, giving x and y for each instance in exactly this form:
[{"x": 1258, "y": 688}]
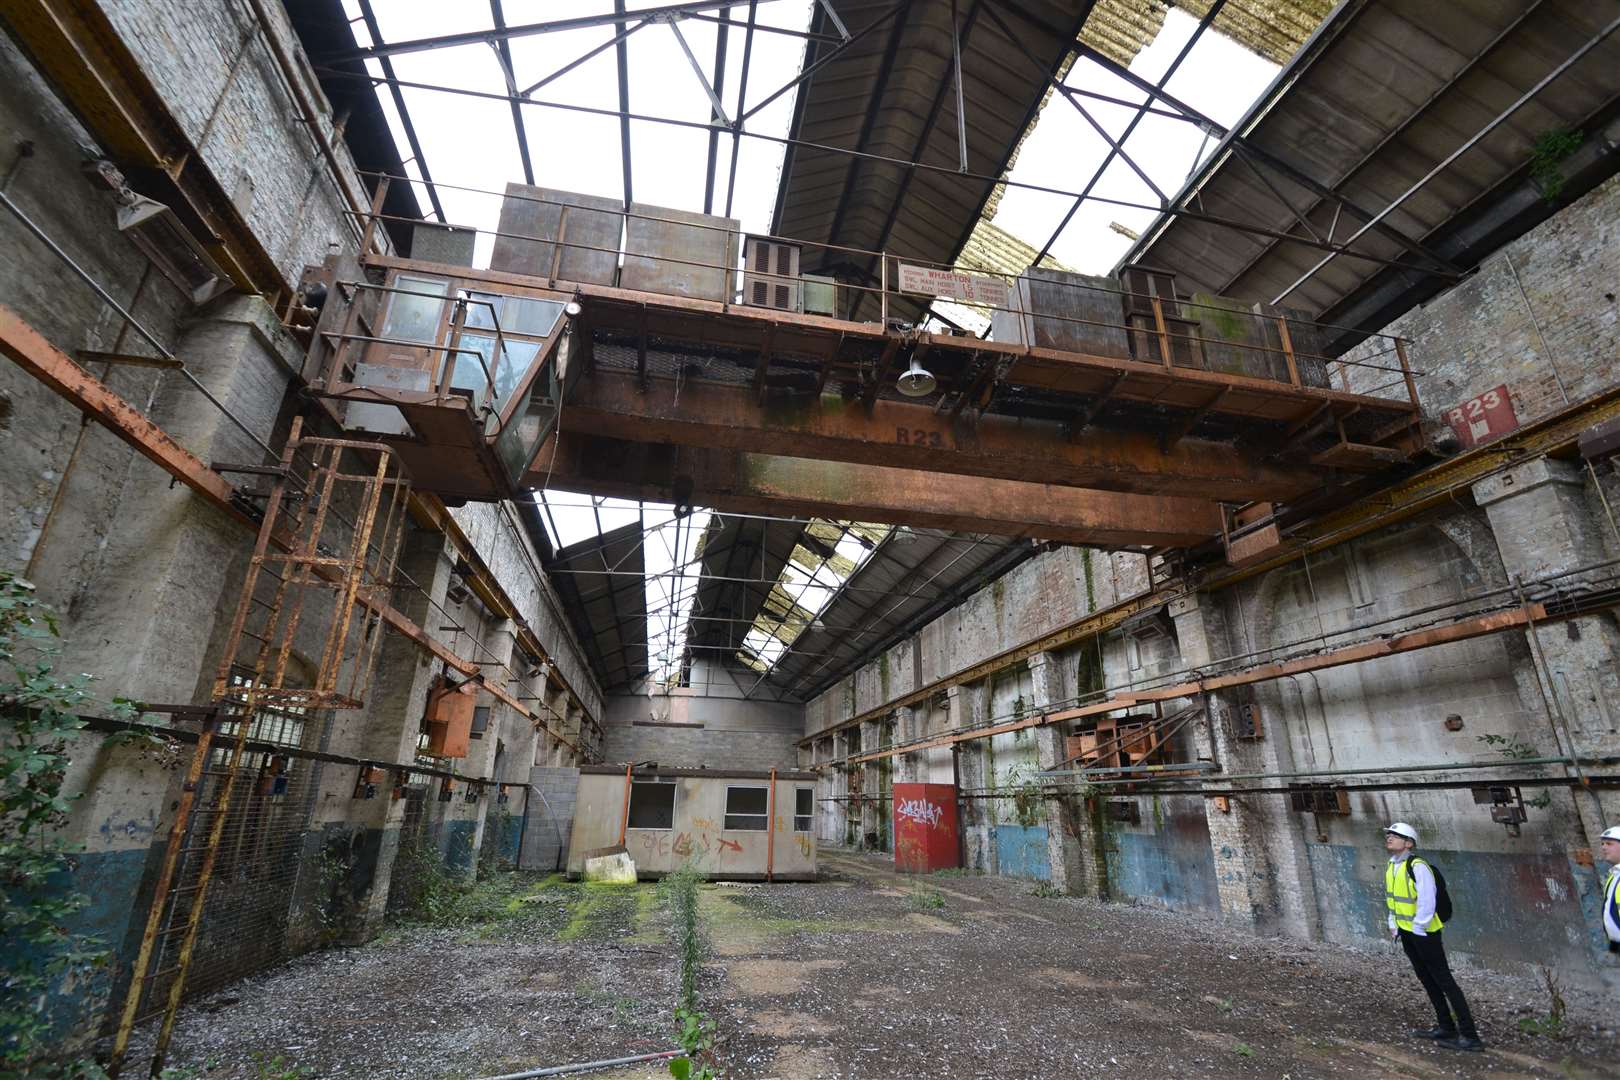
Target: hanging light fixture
[{"x": 918, "y": 381}]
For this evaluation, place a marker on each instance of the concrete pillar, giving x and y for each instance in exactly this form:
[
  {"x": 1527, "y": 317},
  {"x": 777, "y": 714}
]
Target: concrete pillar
[
  {"x": 572, "y": 728},
  {"x": 1547, "y": 530},
  {"x": 1262, "y": 868},
  {"x": 970, "y": 705},
  {"x": 908, "y": 726},
  {"x": 557, "y": 720},
  {"x": 1063, "y": 827},
  {"x": 872, "y": 809}
]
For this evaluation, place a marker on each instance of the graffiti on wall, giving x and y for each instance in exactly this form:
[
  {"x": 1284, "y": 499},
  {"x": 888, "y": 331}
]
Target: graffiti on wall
[
  {"x": 684, "y": 844},
  {"x": 920, "y": 811}
]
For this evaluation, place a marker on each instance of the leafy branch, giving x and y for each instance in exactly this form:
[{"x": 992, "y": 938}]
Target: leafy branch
[{"x": 40, "y": 714}]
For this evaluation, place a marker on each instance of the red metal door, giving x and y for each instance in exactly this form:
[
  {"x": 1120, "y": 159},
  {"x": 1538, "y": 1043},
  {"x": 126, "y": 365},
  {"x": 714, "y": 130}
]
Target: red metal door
[{"x": 925, "y": 828}]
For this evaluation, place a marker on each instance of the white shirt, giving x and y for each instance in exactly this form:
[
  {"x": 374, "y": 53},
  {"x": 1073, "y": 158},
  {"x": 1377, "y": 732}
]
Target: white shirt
[
  {"x": 1611, "y": 904},
  {"x": 1424, "y": 877}
]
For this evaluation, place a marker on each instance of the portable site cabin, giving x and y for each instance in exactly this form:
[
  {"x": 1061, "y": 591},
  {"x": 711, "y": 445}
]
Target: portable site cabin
[{"x": 725, "y": 823}]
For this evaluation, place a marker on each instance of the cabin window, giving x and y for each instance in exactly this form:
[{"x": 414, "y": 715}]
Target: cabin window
[
  {"x": 804, "y": 809},
  {"x": 652, "y": 804},
  {"x": 746, "y": 808}
]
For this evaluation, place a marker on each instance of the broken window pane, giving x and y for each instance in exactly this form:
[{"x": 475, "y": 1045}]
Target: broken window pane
[{"x": 652, "y": 804}]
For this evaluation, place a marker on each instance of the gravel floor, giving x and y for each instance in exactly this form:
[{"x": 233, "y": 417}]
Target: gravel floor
[{"x": 868, "y": 974}]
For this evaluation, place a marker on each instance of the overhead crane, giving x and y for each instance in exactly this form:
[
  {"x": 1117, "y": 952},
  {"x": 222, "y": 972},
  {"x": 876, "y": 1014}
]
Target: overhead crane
[{"x": 490, "y": 382}]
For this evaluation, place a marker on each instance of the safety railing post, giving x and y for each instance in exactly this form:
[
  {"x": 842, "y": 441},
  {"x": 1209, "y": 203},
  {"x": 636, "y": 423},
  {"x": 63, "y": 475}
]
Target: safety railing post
[
  {"x": 883, "y": 288},
  {"x": 369, "y": 234},
  {"x": 557, "y": 248},
  {"x": 1406, "y": 372},
  {"x": 1164, "y": 330},
  {"x": 1288, "y": 350}
]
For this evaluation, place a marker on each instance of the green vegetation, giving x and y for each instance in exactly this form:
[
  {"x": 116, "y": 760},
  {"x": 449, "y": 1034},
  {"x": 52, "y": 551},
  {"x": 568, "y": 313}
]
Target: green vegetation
[
  {"x": 1547, "y": 157},
  {"x": 694, "y": 1030},
  {"x": 278, "y": 1068},
  {"x": 1552, "y": 1024},
  {"x": 1243, "y": 1050},
  {"x": 39, "y": 715},
  {"x": 1509, "y": 747},
  {"x": 430, "y": 891},
  {"x": 924, "y": 898},
  {"x": 1045, "y": 890},
  {"x": 1027, "y": 797}
]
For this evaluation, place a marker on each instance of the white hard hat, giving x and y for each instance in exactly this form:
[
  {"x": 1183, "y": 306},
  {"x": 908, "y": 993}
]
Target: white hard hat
[
  {"x": 1401, "y": 828},
  {"x": 1611, "y": 833}
]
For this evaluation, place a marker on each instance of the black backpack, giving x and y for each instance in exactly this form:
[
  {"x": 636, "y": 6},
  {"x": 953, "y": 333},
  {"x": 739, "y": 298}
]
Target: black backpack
[{"x": 1442, "y": 898}]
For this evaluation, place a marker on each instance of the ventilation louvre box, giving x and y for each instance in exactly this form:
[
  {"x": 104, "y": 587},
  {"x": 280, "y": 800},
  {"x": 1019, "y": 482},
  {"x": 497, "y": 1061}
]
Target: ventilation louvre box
[
  {"x": 1318, "y": 799},
  {"x": 771, "y": 275}
]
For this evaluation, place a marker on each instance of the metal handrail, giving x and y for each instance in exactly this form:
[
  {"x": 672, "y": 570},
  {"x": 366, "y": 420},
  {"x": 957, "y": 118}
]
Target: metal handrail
[
  {"x": 919, "y": 260},
  {"x": 1198, "y": 339}
]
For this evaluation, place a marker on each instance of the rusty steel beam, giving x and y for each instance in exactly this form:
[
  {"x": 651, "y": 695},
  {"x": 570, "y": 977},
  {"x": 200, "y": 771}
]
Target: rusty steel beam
[
  {"x": 29, "y": 350},
  {"x": 748, "y": 483},
  {"x": 1435, "y": 486},
  {"x": 907, "y": 436},
  {"x": 1461, "y": 630}
]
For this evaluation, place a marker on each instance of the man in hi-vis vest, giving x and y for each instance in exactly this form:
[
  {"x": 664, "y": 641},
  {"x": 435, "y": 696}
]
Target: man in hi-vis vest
[
  {"x": 1409, "y": 891},
  {"x": 1610, "y": 850}
]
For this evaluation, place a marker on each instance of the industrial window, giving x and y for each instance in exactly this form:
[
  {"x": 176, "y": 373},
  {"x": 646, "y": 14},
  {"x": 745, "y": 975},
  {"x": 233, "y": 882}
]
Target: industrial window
[
  {"x": 804, "y": 808},
  {"x": 652, "y": 804},
  {"x": 746, "y": 808},
  {"x": 480, "y": 722},
  {"x": 415, "y": 311}
]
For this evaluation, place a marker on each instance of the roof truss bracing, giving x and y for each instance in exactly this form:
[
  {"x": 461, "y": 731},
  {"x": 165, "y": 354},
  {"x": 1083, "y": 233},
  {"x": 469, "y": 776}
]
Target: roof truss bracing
[{"x": 1402, "y": 123}]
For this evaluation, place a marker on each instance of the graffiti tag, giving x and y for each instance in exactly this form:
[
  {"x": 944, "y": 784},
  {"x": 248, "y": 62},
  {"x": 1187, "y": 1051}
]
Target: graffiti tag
[
  {"x": 729, "y": 845},
  {"x": 920, "y": 811}
]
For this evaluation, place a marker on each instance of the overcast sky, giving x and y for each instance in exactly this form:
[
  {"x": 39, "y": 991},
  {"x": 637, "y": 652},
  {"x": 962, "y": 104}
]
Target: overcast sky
[{"x": 470, "y": 142}]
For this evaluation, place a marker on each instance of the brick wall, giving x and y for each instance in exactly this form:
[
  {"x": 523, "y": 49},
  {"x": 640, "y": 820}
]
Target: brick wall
[
  {"x": 549, "y": 818},
  {"x": 1541, "y": 311},
  {"x": 701, "y": 732}
]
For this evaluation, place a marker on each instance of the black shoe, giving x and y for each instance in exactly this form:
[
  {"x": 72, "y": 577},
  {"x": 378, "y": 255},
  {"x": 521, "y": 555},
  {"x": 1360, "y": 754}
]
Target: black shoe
[
  {"x": 1434, "y": 1033},
  {"x": 1462, "y": 1042}
]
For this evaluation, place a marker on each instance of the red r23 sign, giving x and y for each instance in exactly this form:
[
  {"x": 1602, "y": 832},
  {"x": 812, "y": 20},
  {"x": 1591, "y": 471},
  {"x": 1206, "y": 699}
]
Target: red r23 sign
[{"x": 1482, "y": 418}]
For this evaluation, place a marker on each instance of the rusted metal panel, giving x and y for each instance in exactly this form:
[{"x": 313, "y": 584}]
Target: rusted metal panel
[
  {"x": 680, "y": 253},
  {"x": 449, "y": 718},
  {"x": 536, "y": 220},
  {"x": 1089, "y": 314},
  {"x": 926, "y": 833}
]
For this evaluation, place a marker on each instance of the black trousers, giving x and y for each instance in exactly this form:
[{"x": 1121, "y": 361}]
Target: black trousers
[{"x": 1428, "y": 955}]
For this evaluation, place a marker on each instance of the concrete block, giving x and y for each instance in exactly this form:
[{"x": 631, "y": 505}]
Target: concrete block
[{"x": 615, "y": 867}]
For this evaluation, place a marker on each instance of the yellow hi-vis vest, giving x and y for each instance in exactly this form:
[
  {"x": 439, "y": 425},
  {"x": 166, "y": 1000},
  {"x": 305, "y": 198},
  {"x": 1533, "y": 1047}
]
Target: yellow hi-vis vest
[{"x": 1400, "y": 892}]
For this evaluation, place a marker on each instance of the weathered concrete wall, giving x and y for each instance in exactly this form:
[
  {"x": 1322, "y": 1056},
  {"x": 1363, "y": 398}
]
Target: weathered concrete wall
[
  {"x": 1048, "y": 591},
  {"x": 145, "y": 575},
  {"x": 495, "y": 531},
  {"x": 1530, "y": 896},
  {"x": 554, "y": 792},
  {"x": 692, "y": 730}
]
